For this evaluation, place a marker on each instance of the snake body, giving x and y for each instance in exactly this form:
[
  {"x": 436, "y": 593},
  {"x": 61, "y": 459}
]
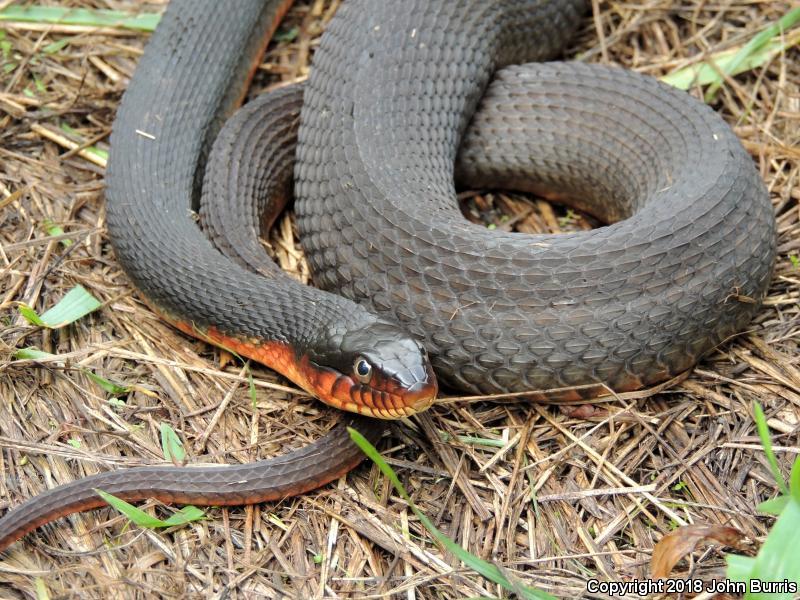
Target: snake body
[
  {"x": 399, "y": 106},
  {"x": 625, "y": 305}
]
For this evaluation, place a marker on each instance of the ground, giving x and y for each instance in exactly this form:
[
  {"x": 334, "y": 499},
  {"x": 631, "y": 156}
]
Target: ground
[{"x": 554, "y": 495}]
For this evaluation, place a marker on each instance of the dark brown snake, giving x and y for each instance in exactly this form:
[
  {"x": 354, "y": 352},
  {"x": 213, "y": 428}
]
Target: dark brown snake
[{"x": 388, "y": 123}]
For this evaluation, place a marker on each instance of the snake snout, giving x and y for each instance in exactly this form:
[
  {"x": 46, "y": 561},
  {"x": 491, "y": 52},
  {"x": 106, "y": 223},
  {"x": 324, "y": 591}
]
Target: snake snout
[
  {"x": 421, "y": 396},
  {"x": 417, "y": 388}
]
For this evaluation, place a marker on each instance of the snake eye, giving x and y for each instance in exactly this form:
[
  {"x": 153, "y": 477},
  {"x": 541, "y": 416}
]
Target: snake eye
[{"x": 362, "y": 369}]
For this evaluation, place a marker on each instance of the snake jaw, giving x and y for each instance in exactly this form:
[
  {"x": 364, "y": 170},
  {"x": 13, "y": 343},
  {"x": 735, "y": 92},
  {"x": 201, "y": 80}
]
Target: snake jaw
[
  {"x": 396, "y": 381},
  {"x": 384, "y": 397}
]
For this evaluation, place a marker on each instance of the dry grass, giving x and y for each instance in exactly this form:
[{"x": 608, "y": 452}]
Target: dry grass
[{"x": 607, "y": 480}]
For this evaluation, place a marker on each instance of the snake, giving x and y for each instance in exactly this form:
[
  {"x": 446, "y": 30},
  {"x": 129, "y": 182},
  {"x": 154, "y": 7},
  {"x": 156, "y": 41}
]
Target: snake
[{"x": 404, "y": 102}]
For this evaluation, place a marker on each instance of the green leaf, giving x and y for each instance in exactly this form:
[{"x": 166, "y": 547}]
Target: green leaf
[
  {"x": 77, "y": 138},
  {"x": 30, "y": 315},
  {"x": 795, "y": 260},
  {"x": 794, "y": 481},
  {"x": 80, "y": 16},
  {"x": 488, "y": 570},
  {"x": 740, "y": 568},
  {"x": 97, "y": 152},
  {"x": 773, "y": 506},
  {"x": 53, "y": 229},
  {"x": 74, "y": 442},
  {"x": 74, "y": 305},
  {"x": 779, "y": 557},
  {"x": 171, "y": 445},
  {"x": 32, "y": 354},
  {"x": 142, "y": 519},
  {"x": 766, "y": 442},
  {"x": 707, "y": 72},
  {"x": 753, "y": 46},
  {"x": 108, "y": 385},
  {"x": 137, "y": 516},
  {"x": 778, "y": 560},
  {"x": 56, "y": 46},
  {"x": 187, "y": 514}
]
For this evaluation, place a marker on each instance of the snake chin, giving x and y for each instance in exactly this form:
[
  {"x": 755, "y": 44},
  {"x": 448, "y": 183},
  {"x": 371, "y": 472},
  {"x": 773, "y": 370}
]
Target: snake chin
[{"x": 375, "y": 370}]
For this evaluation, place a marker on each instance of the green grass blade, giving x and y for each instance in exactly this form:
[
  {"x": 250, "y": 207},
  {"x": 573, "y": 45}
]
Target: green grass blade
[
  {"x": 53, "y": 229},
  {"x": 171, "y": 445},
  {"x": 110, "y": 386},
  {"x": 754, "y": 45},
  {"x": 187, "y": 514},
  {"x": 74, "y": 305},
  {"x": 30, "y": 315},
  {"x": 56, "y": 46},
  {"x": 136, "y": 515},
  {"x": 32, "y": 354},
  {"x": 80, "y": 16},
  {"x": 773, "y": 506},
  {"x": 740, "y": 568},
  {"x": 779, "y": 557},
  {"x": 766, "y": 442},
  {"x": 707, "y": 72},
  {"x": 76, "y": 137},
  {"x": 490, "y": 571},
  {"x": 142, "y": 519}
]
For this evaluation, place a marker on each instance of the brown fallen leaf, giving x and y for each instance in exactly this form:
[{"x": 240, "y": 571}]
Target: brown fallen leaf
[{"x": 681, "y": 542}]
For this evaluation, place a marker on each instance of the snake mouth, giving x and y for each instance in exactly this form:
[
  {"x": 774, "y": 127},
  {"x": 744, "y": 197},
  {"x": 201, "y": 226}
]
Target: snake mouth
[
  {"x": 384, "y": 397},
  {"x": 392, "y": 399}
]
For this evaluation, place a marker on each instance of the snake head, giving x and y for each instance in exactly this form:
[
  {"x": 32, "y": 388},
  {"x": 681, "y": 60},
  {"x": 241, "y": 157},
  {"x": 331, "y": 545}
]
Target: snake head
[{"x": 375, "y": 369}]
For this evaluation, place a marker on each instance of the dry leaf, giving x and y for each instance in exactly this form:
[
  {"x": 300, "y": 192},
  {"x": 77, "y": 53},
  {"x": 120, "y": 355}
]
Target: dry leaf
[{"x": 681, "y": 542}]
